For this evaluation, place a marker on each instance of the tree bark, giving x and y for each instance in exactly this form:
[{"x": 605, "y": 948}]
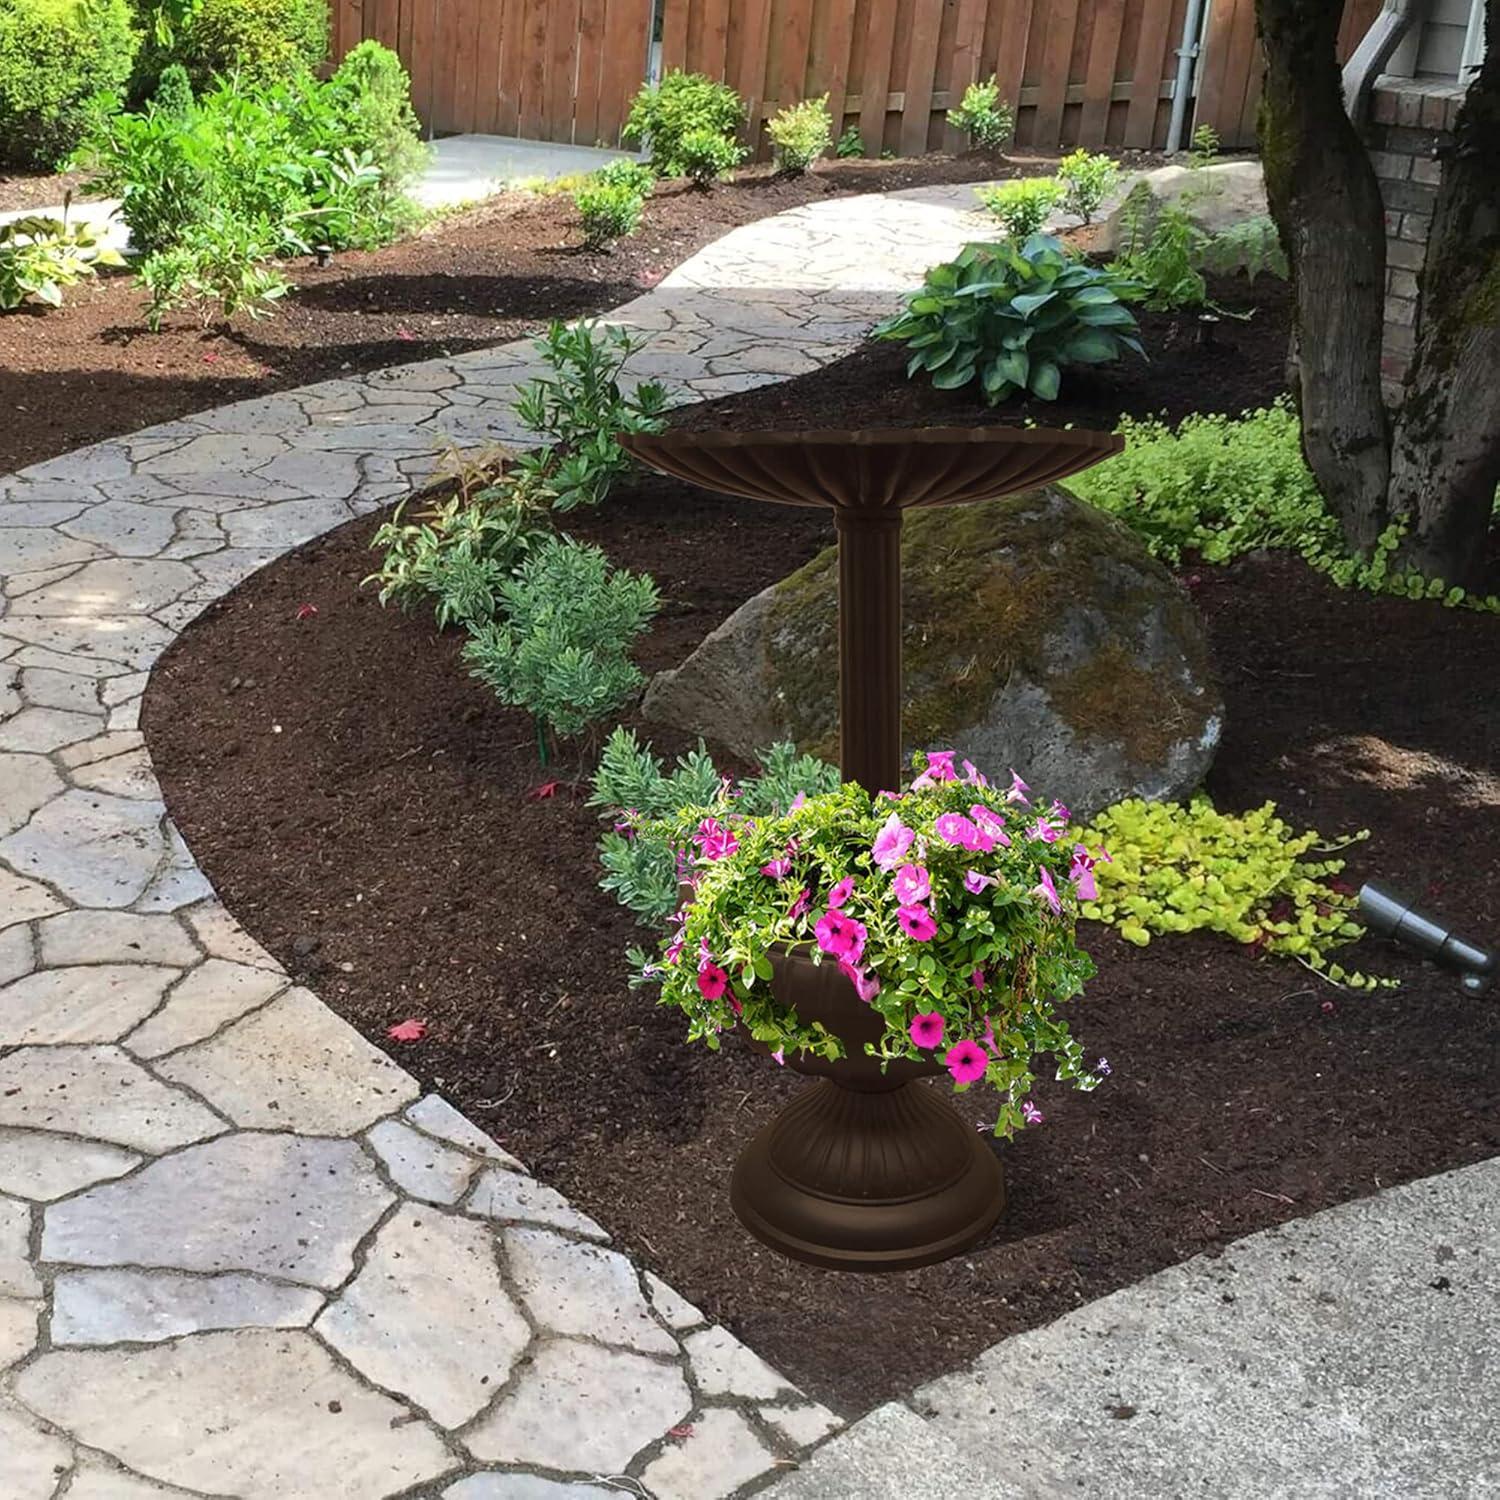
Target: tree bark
[
  {"x": 1445, "y": 458},
  {"x": 1324, "y": 197}
]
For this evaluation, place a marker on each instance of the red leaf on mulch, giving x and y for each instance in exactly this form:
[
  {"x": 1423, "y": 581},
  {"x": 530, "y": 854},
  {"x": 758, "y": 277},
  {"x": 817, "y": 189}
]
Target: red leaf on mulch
[
  {"x": 407, "y": 1031},
  {"x": 306, "y": 611},
  {"x": 684, "y": 1431},
  {"x": 545, "y": 790}
]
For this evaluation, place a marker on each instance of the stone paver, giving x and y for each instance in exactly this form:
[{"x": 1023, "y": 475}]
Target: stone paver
[
  {"x": 720, "y": 1454},
  {"x": 92, "y": 1003},
  {"x": 421, "y": 1166}
]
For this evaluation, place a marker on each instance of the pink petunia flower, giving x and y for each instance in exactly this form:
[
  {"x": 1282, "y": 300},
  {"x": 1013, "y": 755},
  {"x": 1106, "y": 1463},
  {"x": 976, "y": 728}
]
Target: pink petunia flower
[
  {"x": 776, "y": 869},
  {"x": 1082, "y": 872},
  {"x": 977, "y": 979},
  {"x": 841, "y": 893},
  {"x": 927, "y": 1030},
  {"x": 917, "y": 923},
  {"x": 866, "y": 985},
  {"x": 966, "y": 1062},
  {"x": 780, "y": 1055},
  {"x": 939, "y": 768},
  {"x": 973, "y": 775},
  {"x": 800, "y": 905},
  {"x": 1059, "y": 811},
  {"x": 912, "y": 884},
  {"x": 841, "y": 936},
  {"x": 1045, "y": 830},
  {"x": 954, "y": 828},
  {"x": 892, "y": 842},
  {"x": 988, "y": 821},
  {"x": 1047, "y": 891},
  {"x": 974, "y": 882},
  {"x": 715, "y": 840},
  {"x": 1019, "y": 791},
  {"x": 1031, "y": 1114},
  {"x": 712, "y": 981},
  {"x": 796, "y": 802}
]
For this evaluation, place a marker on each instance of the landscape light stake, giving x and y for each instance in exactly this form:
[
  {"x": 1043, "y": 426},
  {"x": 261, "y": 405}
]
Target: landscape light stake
[
  {"x": 862, "y": 1171},
  {"x": 1392, "y": 916}
]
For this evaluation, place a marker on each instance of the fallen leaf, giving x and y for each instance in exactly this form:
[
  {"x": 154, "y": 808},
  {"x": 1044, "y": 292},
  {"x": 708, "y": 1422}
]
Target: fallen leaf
[
  {"x": 542, "y": 792},
  {"x": 406, "y": 335},
  {"x": 684, "y": 1431},
  {"x": 306, "y": 611},
  {"x": 407, "y": 1031}
]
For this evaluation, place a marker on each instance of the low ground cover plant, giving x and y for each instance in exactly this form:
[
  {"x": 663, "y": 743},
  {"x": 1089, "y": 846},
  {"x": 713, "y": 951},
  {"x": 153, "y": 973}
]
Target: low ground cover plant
[
  {"x": 851, "y": 144},
  {"x": 950, "y": 909},
  {"x": 983, "y": 116},
  {"x": 1022, "y": 205},
  {"x": 55, "y": 56},
  {"x": 41, "y": 255},
  {"x": 800, "y": 134},
  {"x": 664, "y": 115},
  {"x": 1013, "y": 317}
]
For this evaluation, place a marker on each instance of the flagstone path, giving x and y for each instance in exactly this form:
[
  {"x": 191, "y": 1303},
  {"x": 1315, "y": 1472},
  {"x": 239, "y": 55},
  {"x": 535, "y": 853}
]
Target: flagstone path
[{"x": 239, "y": 1253}]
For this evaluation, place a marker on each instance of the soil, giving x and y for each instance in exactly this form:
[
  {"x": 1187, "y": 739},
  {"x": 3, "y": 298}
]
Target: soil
[
  {"x": 92, "y": 370},
  {"x": 402, "y": 860},
  {"x": 39, "y": 189}
]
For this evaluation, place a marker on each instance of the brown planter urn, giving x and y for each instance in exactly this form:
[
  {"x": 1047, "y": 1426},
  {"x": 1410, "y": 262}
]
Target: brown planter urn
[{"x": 865, "y": 1170}]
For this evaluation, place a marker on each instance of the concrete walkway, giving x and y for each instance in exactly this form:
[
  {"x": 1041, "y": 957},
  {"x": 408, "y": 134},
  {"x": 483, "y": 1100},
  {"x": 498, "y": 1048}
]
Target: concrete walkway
[{"x": 239, "y": 1254}]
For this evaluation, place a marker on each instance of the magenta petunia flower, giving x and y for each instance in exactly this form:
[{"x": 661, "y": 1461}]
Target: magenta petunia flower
[
  {"x": 1019, "y": 791},
  {"x": 715, "y": 840},
  {"x": 977, "y": 979},
  {"x": 866, "y": 985},
  {"x": 780, "y": 1055},
  {"x": 988, "y": 821},
  {"x": 974, "y": 882},
  {"x": 1047, "y": 891},
  {"x": 841, "y": 936},
  {"x": 912, "y": 884},
  {"x": 1082, "y": 872},
  {"x": 712, "y": 981},
  {"x": 1031, "y": 1114},
  {"x": 966, "y": 1062},
  {"x": 1045, "y": 830},
  {"x": 954, "y": 828},
  {"x": 917, "y": 923},
  {"x": 927, "y": 1030},
  {"x": 775, "y": 869},
  {"x": 841, "y": 893},
  {"x": 939, "y": 768},
  {"x": 973, "y": 775},
  {"x": 892, "y": 842},
  {"x": 800, "y": 905},
  {"x": 1060, "y": 812}
]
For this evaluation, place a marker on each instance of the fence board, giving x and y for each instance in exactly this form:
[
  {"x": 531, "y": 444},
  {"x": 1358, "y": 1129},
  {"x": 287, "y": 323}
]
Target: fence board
[
  {"x": 875, "y": 74},
  {"x": 1103, "y": 66},
  {"x": 1011, "y": 47},
  {"x": 838, "y": 43},
  {"x": 968, "y": 50},
  {"x": 921, "y": 61},
  {"x": 1048, "y": 67}
]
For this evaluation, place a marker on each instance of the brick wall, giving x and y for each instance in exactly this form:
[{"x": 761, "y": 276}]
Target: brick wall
[{"x": 1409, "y": 130}]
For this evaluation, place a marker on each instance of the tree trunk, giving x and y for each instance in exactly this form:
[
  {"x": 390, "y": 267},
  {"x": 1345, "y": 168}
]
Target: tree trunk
[
  {"x": 1324, "y": 197},
  {"x": 1445, "y": 459}
]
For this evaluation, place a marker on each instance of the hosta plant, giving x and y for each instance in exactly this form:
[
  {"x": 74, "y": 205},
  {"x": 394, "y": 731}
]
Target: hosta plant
[
  {"x": 40, "y": 255},
  {"x": 1013, "y": 317},
  {"x": 983, "y": 116},
  {"x": 949, "y": 906}
]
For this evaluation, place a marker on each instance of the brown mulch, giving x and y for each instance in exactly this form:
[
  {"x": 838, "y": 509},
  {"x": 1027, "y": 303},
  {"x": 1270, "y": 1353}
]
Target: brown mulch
[
  {"x": 38, "y": 189},
  {"x": 387, "y": 846},
  {"x": 92, "y": 370}
]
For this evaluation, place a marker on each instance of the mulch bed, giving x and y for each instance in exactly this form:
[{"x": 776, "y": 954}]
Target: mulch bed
[
  {"x": 92, "y": 370},
  {"x": 398, "y": 860}
]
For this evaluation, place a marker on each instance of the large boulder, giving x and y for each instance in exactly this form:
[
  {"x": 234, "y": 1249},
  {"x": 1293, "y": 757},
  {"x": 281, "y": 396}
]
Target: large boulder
[
  {"x": 1038, "y": 634},
  {"x": 1215, "y": 197}
]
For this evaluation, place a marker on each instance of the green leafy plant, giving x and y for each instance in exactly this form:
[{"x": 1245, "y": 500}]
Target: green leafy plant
[
  {"x": 55, "y": 57},
  {"x": 40, "y": 255},
  {"x": 1205, "y": 146},
  {"x": 983, "y": 116},
  {"x": 1013, "y": 317},
  {"x": 637, "y": 176},
  {"x": 560, "y": 641},
  {"x": 851, "y": 144},
  {"x": 662, "y": 115},
  {"x": 1022, "y": 205},
  {"x": 636, "y": 792},
  {"x": 221, "y": 267},
  {"x": 1087, "y": 180},
  {"x": 1249, "y": 876},
  {"x": 1253, "y": 245},
  {"x": 1164, "y": 257},
  {"x": 705, "y": 157},
  {"x": 607, "y": 212},
  {"x": 370, "y": 113},
  {"x": 800, "y": 134},
  {"x": 952, "y": 913},
  {"x": 261, "y": 41},
  {"x": 174, "y": 93}
]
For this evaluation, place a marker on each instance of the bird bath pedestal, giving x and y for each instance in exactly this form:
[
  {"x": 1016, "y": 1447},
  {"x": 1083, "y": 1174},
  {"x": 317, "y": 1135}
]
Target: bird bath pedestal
[{"x": 863, "y": 1171}]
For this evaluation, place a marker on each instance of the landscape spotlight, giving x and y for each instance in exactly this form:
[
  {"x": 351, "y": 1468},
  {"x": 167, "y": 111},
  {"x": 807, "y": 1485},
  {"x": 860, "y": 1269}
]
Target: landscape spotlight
[{"x": 1393, "y": 917}]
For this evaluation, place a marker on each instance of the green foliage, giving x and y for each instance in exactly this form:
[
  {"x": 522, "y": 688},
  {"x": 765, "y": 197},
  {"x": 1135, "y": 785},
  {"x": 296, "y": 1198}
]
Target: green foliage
[
  {"x": 370, "y": 112},
  {"x": 800, "y": 134},
  {"x": 55, "y": 57},
  {"x": 624, "y": 173},
  {"x": 766, "y": 883},
  {"x": 1176, "y": 869},
  {"x": 40, "y": 255},
  {"x": 174, "y": 93},
  {"x": 1022, "y": 205},
  {"x": 664, "y": 114},
  {"x": 559, "y": 644},
  {"x": 219, "y": 267},
  {"x": 983, "y": 116},
  {"x": 1013, "y": 317},
  {"x": 1205, "y": 146},
  {"x": 1164, "y": 258},
  {"x": 636, "y": 792},
  {"x": 705, "y": 156},
  {"x": 1087, "y": 180},
  {"x": 1253, "y": 245},
  {"x": 851, "y": 144},
  {"x": 608, "y": 212},
  {"x": 263, "y": 41},
  {"x": 579, "y": 410}
]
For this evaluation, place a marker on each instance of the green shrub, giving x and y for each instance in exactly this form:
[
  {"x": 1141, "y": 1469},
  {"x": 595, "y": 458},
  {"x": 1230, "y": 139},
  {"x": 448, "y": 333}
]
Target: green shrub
[
  {"x": 1253, "y": 245},
  {"x": 1022, "y": 206},
  {"x": 221, "y": 266},
  {"x": 370, "y": 98},
  {"x": 663, "y": 114},
  {"x": 983, "y": 116},
  {"x": 800, "y": 134},
  {"x": 1013, "y": 317},
  {"x": 260, "y": 41},
  {"x": 174, "y": 92},
  {"x": 40, "y": 255},
  {"x": 851, "y": 144},
  {"x": 1164, "y": 258},
  {"x": 607, "y": 212},
  {"x": 55, "y": 56},
  {"x": 1087, "y": 180},
  {"x": 559, "y": 645},
  {"x": 706, "y": 157},
  {"x": 622, "y": 172}
]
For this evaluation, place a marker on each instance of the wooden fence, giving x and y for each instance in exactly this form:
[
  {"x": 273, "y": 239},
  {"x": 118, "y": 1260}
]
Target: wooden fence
[{"x": 1080, "y": 72}]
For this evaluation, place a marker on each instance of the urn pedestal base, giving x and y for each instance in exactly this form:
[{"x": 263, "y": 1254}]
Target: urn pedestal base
[{"x": 878, "y": 1178}]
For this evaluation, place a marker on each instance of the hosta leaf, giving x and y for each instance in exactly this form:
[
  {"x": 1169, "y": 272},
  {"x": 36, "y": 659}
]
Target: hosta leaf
[
  {"x": 1046, "y": 378},
  {"x": 1028, "y": 302},
  {"x": 951, "y": 379},
  {"x": 1092, "y": 347}
]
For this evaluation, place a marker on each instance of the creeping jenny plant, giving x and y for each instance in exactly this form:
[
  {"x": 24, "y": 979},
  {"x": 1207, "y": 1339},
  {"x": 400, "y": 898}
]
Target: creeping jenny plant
[{"x": 949, "y": 906}]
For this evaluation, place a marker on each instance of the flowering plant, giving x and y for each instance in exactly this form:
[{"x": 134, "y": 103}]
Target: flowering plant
[{"x": 949, "y": 906}]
